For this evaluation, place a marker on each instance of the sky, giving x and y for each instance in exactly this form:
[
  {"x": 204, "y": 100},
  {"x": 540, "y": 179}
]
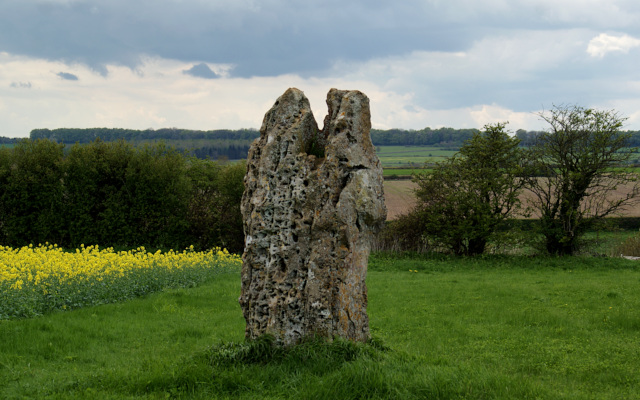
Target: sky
[{"x": 221, "y": 64}]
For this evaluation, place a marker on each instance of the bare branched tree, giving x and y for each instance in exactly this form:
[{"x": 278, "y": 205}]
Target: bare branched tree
[{"x": 579, "y": 163}]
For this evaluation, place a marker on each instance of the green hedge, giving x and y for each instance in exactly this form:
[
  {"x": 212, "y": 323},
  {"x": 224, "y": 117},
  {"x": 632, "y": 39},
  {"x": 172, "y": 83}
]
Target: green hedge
[{"x": 115, "y": 194}]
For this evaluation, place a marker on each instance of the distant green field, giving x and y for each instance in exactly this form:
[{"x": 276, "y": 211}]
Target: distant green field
[
  {"x": 402, "y": 171},
  {"x": 413, "y": 156}
]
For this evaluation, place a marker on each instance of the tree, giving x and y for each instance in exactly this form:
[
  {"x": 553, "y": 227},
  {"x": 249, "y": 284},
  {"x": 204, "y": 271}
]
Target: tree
[
  {"x": 97, "y": 206},
  {"x": 32, "y": 193},
  {"x": 214, "y": 208},
  {"x": 464, "y": 199},
  {"x": 157, "y": 191},
  {"x": 578, "y": 164}
]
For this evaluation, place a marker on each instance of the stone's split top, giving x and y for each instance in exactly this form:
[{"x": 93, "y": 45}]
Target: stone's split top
[{"x": 313, "y": 200}]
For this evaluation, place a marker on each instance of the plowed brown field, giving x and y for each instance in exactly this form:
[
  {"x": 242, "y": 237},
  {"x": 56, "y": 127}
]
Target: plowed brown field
[{"x": 399, "y": 199}]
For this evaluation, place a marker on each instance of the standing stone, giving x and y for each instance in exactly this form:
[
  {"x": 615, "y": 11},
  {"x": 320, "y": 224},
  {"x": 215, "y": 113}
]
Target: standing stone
[{"x": 312, "y": 202}]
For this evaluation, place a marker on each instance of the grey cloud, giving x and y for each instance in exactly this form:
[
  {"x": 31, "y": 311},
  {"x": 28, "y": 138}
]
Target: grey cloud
[
  {"x": 21, "y": 85},
  {"x": 67, "y": 76},
  {"x": 275, "y": 37},
  {"x": 261, "y": 38},
  {"x": 201, "y": 70}
]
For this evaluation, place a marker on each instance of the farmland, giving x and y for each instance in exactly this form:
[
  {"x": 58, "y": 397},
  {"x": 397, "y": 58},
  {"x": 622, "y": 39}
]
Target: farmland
[
  {"x": 399, "y": 198},
  {"x": 475, "y": 328},
  {"x": 411, "y": 157},
  {"x": 41, "y": 279}
]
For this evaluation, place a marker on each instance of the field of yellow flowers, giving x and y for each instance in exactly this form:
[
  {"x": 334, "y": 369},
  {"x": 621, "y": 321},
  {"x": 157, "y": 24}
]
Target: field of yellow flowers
[{"x": 38, "y": 279}]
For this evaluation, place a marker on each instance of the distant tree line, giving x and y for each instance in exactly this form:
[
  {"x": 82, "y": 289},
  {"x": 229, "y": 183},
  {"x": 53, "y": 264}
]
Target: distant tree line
[
  {"x": 82, "y": 136},
  {"x": 6, "y": 140},
  {"x": 214, "y": 145},
  {"x": 391, "y": 137},
  {"x": 528, "y": 138},
  {"x": 117, "y": 194},
  {"x": 234, "y": 144},
  {"x": 424, "y": 137}
]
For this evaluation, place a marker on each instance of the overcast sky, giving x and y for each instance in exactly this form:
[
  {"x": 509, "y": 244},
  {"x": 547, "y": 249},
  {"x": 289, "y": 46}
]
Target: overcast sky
[{"x": 216, "y": 64}]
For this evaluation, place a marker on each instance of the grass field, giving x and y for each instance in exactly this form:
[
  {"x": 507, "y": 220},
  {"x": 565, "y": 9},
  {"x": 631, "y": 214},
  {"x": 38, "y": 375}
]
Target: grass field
[
  {"x": 499, "y": 327},
  {"x": 404, "y": 160},
  {"x": 401, "y": 172},
  {"x": 414, "y": 156}
]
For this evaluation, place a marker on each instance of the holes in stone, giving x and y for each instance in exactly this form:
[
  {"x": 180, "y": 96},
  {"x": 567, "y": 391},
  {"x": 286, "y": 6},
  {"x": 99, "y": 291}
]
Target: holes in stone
[
  {"x": 282, "y": 265},
  {"x": 294, "y": 237},
  {"x": 268, "y": 215},
  {"x": 350, "y": 137},
  {"x": 343, "y": 184}
]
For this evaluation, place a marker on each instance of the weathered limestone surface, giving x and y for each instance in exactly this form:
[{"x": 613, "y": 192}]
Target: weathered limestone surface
[{"x": 313, "y": 199}]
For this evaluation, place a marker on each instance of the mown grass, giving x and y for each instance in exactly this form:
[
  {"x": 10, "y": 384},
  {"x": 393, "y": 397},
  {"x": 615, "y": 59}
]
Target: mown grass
[{"x": 496, "y": 327}]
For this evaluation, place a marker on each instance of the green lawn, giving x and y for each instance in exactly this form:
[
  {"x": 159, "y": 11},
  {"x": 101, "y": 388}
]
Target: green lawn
[{"x": 499, "y": 327}]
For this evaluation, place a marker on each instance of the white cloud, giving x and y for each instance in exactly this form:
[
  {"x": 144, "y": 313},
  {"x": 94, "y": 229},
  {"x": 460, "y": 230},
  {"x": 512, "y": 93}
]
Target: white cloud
[
  {"x": 491, "y": 114},
  {"x": 523, "y": 70},
  {"x": 154, "y": 95},
  {"x": 626, "y": 107},
  {"x": 604, "y": 43}
]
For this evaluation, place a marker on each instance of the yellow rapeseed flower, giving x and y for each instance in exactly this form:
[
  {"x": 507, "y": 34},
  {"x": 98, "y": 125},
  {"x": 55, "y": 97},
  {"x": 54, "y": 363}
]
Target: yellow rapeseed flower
[{"x": 49, "y": 265}]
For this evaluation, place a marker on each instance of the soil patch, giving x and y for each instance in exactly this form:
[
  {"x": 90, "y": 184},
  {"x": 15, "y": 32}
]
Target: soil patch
[{"x": 399, "y": 198}]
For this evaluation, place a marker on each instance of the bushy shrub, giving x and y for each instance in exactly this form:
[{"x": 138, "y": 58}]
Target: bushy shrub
[
  {"x": 402, "y": 234},
  {"x": 630, "y": 247},
  {"x": 32, "y": 193},
  {"x": 115, "y": 194},
  {"x": 462, "y": 201},
  {"x": 214, "y": 205}
]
